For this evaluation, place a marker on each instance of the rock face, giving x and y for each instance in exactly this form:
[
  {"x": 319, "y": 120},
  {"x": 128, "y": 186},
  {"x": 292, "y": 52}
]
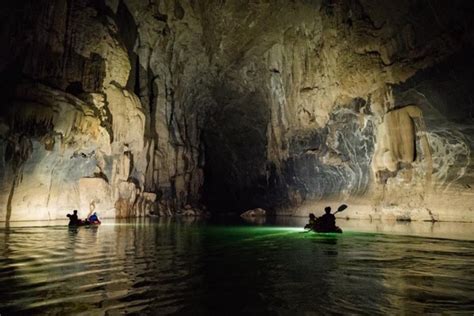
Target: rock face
[
  {"x": 140, "y": 107},
  {"x": 254, "y": 213}
]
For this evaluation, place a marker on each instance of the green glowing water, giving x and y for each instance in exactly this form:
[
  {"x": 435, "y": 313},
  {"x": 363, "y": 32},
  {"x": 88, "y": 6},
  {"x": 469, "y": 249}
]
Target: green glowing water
[{"x": 165, "y": 267}]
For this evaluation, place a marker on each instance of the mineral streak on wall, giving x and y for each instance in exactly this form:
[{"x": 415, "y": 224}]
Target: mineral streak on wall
[{"x": 132, "y": 107}]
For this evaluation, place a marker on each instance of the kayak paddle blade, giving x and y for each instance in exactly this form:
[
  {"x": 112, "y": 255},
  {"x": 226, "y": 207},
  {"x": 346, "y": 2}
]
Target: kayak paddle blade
[{"x": 342, "y": 208}]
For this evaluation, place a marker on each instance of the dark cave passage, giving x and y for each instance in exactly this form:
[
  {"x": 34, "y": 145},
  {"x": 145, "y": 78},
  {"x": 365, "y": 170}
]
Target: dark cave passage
[{"x": 235, "y": 143}]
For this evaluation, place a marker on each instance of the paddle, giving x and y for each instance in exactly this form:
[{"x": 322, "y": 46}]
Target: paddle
[{"x": 340, "y": 209}]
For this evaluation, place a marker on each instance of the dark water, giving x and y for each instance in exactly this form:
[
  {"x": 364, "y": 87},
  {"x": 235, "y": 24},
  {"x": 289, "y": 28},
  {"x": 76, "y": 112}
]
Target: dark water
[{"x": 197, "y": 268}]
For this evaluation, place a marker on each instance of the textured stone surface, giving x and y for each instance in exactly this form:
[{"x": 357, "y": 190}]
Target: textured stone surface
[
  {"x": 151, "y": 106},
  {"x": 258, "y": 212}
]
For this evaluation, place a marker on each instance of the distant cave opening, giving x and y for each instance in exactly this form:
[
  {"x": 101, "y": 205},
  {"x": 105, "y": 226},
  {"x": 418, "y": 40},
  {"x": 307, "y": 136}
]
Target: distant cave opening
[{"x": 235, "y": 145}]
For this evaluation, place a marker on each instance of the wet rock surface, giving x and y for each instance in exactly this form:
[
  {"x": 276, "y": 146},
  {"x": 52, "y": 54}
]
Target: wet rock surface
[
  {"x": 258, "y": 212},
  {"x": 148, "y": 107}
]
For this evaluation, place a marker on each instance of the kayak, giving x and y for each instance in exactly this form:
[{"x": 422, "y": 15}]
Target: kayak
[
  {"x": 336, "y": 230},
  {"x": 318, "y": 229},
  {"x": 97, "y": 223}
]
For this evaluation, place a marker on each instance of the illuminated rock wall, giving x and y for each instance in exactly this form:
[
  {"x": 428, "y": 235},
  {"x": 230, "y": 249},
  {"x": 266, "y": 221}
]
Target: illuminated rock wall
[
  {"x": 73, "y": 133},
  {"x": 131, "y": 107}
]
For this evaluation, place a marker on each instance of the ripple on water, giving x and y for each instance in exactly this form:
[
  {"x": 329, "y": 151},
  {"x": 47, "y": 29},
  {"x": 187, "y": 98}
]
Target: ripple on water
[{"x": 170, "y": 267}]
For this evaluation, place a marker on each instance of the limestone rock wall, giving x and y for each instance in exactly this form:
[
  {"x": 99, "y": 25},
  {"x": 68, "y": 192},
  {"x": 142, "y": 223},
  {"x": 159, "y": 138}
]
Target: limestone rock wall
[
  {"x": 324, "y": 82},
  {"x": 73, "y": 133},
  {"x": 134, "y": 107}
]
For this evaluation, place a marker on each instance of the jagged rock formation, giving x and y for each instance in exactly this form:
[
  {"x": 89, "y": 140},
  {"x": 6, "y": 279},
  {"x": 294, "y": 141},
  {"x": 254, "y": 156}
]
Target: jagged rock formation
[{"x": 142, "y": 107}]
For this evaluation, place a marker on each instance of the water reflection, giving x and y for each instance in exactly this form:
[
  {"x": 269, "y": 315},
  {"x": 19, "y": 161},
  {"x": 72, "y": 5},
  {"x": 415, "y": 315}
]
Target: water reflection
[{"x": 166, "y": 266}]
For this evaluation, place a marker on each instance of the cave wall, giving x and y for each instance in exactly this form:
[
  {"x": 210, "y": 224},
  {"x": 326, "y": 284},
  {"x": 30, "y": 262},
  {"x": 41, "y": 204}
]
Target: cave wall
[
  {"x": 134, "y": 107},
  {"x": 72, "y": 133}
]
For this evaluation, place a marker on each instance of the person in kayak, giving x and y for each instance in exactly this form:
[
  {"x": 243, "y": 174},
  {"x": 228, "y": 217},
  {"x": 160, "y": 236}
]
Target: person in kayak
[
  {"x": 312, "y": 221},
  {"x": 94, "y": 219},
  {"x": 74, "y": 219},
  {"x": 327, "y": 222}
]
